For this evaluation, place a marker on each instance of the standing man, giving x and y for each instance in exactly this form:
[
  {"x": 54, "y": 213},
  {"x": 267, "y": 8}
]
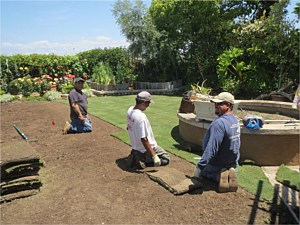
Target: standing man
[
  {"x": 221, "y": 146},
  {"x": 145, "y": 151},
  {"x": 80, "y": 121}
]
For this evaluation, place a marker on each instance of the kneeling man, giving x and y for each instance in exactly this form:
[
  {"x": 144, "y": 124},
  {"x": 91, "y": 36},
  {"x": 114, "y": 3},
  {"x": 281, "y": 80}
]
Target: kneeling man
[
  {"x": 145, "y": 151},
  {"x": 80, "y": 121}
]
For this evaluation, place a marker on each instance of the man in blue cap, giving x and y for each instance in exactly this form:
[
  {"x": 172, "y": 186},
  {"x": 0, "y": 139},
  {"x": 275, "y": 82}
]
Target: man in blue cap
[{"x": 80, "y": 121}]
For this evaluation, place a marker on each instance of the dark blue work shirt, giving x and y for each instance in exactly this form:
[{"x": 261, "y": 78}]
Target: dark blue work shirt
[{"x": 221, "y": 143}]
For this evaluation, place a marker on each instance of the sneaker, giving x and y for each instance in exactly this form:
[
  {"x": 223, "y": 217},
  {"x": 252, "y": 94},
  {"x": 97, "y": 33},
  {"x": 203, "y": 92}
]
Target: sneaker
[
  {"x": 66, "y": 127},
  {"x": 141, "y": 165},
  {"x": 164, "y": 162},
  {"x": 233, "y": 186},
  {"x": 223, "y": 181}
]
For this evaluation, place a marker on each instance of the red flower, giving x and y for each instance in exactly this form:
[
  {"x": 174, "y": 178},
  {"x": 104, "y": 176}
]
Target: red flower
[{"x": 85, "y": 76}]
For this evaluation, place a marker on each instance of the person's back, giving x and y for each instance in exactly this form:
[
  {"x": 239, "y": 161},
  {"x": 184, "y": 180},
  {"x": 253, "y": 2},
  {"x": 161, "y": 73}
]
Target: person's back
[
  {"x": 221, "y": 146},
  {"x": 227, "y": 129},
  {"x": 135, "y": 120}
]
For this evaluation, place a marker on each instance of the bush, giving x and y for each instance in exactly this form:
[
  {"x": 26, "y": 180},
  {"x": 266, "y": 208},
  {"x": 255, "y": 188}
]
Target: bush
[
  {"x": 27, "y": 85},
  {"x": 103, "y": 74},
  {"x": 88, "y": 92},
  {"x": 14, "y": 87},
  {"x": 52, "y": 95},
  {"x": 7, "y": 98},
  {"x": 66, "y": 89},
  {"x": 42, "y": 84},
  {"x": 2, "y": 92}
]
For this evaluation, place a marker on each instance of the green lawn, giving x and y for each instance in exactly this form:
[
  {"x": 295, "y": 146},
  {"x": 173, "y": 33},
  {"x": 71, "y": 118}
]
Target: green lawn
[
  {"x": 162, "y": 115},
  {"x": 288, "y": 177},
  {"x": 163, "y": 118}
]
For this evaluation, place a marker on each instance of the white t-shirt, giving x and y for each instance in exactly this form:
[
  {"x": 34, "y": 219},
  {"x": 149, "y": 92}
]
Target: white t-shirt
[{"x": 139, "y": 127}]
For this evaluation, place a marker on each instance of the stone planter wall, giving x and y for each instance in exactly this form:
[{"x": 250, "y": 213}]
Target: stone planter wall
[
  {"x": 158, "y": 85},
  {"x": 186, "y": 106},
  {"x": 108, "y": 87},
  {"x": 205, "y": 110}
]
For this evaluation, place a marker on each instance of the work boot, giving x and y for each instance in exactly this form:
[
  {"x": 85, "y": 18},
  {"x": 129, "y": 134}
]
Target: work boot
[
  {"x": 223, "y": 181},
  {"x": 233, "y": 185},
  {"x": 66, "y": 127}
]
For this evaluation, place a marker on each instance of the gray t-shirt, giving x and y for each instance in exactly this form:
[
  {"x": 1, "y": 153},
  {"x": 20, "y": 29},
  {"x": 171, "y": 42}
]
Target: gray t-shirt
[{"x": 81, "y": 99}]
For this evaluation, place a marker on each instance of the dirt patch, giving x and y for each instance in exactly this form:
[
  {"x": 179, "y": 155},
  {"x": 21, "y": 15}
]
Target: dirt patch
[{"x": 86, "y": 181}]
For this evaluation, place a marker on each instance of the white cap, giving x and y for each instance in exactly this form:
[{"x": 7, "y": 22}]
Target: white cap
[
  {"x": 223, "y": 97},
  {"x": 144, "y": 96}
]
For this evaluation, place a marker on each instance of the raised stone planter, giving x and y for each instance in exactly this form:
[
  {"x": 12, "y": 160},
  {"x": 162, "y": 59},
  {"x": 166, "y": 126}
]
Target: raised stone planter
[
  {"x": 273, "y": 145},
  {"x": 186, "y": 106},
  {"x": 205, "y": 110},
  {"x": 158, "y": 85}
]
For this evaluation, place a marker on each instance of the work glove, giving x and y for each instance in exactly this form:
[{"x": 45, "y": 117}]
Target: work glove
[
  {"x": 156, "y": 160},
  {"x": 197, "y": 171}
]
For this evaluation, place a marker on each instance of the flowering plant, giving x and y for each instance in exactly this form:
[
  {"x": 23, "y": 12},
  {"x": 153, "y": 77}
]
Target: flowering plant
[
  {"x": 27, "y": 85},
  {"x": 64, "y": 81},
  {"x": 22, "y": 85},
  {"x": 42, "y": 84}
]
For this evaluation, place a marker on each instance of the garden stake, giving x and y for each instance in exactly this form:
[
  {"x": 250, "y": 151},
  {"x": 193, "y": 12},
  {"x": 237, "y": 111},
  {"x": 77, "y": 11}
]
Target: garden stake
[{"x": 23, "y": 135}]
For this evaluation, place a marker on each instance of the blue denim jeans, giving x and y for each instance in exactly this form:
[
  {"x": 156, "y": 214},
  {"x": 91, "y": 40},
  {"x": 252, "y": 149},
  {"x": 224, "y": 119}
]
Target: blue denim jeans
[{"x": 78, "y": 127}]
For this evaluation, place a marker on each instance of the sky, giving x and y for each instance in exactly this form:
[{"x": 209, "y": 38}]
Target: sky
[{"x": 60, "y": 27}]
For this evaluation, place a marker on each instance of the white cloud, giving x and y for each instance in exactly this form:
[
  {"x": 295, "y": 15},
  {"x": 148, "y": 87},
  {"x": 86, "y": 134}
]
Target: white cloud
[
  {"x": 60, "y": 48},
  {"x": 103, "y": 38}
]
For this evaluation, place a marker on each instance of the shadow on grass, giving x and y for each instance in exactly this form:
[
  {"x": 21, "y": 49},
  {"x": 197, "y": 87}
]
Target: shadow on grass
[
  {"x": 279, "y": 212},
  {"x": 184, "y": 145}
]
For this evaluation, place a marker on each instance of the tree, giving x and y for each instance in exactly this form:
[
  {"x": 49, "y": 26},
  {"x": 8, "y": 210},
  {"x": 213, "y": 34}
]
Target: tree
[
  {"x": 136, "y": 28},
  {"x": 193, "y": 31},
  {"x": 276, "y": 57}
]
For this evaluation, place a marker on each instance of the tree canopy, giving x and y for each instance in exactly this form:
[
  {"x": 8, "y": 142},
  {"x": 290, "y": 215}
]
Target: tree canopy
[{"x": 204, "y": 40}]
